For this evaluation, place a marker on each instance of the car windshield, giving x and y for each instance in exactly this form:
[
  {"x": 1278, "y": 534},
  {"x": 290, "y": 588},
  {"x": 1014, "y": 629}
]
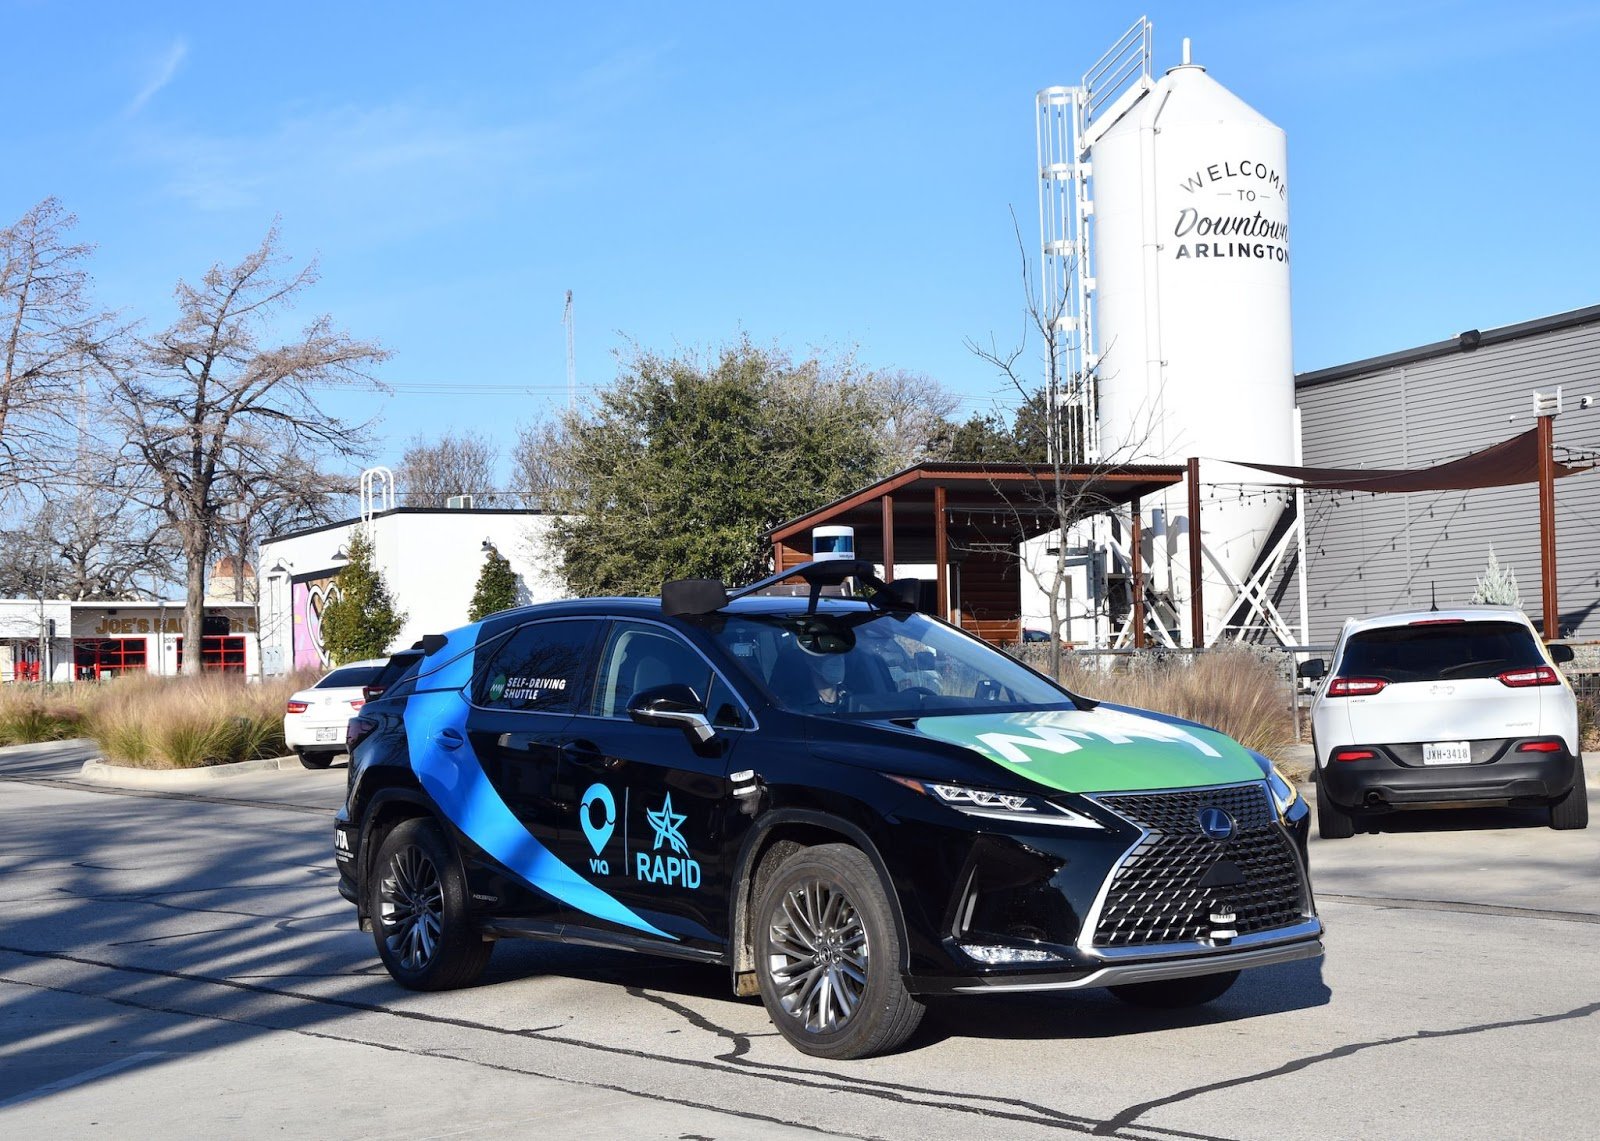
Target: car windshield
[
  {"x": 874, "y": 663},
  {"x": 1439, "y": 651},
  {"x": 350, "y": 677}
]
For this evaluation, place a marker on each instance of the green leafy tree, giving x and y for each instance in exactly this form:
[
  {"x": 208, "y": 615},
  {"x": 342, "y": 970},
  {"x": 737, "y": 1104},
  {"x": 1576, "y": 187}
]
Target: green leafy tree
[
  {"x": 497, "y": 587},
  {"x": 680, "y": 465},
  {"x": 987, "y": 438},
  {"x": 362, "y": 621}
]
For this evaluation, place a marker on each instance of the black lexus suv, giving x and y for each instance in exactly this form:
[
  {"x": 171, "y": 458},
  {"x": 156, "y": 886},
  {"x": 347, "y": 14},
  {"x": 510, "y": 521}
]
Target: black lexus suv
[{"x": 850, "y": 805}]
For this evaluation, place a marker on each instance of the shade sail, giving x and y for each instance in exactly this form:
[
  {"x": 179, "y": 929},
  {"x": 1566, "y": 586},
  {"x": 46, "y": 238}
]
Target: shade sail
[{"x": 1505, "y": 464}]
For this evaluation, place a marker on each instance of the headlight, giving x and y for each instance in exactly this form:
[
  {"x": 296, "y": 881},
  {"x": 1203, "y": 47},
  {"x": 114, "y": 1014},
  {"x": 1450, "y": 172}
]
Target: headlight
[
  {"x": 1284, "y": 793},
  {"x": 1014, "y": 807}
]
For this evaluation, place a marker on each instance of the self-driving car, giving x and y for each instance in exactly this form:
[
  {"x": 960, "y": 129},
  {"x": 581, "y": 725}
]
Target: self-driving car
[
  {"x": 1444, "y": 709},
  {"x": 849, "y": 805}
]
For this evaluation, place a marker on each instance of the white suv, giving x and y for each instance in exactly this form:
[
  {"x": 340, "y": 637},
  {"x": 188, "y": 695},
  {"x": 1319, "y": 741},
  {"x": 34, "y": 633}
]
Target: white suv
[{"x": 1444, "y": 709}]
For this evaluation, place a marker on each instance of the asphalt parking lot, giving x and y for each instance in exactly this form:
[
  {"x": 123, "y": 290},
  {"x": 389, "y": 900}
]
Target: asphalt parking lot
[{"x": 177, "y": 963}]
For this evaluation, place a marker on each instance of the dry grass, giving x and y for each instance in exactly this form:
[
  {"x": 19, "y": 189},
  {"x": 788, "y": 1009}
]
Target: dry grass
[
  {"x": 184, "y": 723},
  {"x": 1231, "y": 690},
  {"x": 30, "y": 713}
]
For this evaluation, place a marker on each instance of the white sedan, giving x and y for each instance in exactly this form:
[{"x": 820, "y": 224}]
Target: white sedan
[
  {"x": 314, "y": 719},
  {"x": 1444, "y": 709}
]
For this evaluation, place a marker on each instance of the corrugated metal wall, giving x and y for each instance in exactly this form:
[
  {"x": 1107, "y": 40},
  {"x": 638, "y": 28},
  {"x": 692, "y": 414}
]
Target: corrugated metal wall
[{"x": 1367, "y": 554}]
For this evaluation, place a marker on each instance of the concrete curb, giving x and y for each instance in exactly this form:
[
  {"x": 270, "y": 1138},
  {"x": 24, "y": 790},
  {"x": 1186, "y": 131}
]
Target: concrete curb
[
  {"x": 66, "y": 746},
  {"x": 100, "y": 772}
]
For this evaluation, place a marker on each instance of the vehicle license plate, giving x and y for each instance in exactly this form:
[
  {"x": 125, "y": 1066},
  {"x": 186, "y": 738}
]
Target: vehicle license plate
[
  {"x": 1446, "y": 753},
  {"x": 331, "y": 733}
]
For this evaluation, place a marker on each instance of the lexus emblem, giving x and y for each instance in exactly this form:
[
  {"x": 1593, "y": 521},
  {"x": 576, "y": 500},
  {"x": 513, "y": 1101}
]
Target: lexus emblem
[{"x": 1216, "y": 823}]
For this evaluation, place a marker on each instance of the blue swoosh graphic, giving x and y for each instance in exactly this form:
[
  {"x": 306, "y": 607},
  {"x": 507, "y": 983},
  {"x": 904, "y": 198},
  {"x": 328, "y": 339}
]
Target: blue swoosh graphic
[{"x": 457, "y": 783}]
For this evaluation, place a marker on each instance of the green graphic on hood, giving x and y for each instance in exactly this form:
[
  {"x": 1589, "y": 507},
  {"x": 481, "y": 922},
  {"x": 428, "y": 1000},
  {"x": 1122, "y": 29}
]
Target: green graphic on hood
[{"x": 1098, "y": 750}]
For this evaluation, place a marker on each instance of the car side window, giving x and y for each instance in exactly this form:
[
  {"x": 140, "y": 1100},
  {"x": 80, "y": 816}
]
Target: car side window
[
  {"x": 640, "y": 656},
  {"x": 724, "y": 709},
  {"x": 541, "y": 668}
]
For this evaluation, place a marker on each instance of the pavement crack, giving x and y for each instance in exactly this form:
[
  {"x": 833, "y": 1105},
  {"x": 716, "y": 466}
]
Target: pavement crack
[
  {"x": 741, "y": 1042},
  {"x": 1128, "y": 1116}
]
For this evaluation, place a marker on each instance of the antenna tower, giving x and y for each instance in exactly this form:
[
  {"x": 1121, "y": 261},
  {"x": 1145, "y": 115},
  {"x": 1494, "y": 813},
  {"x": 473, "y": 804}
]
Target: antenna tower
[{"x": 572, "y": 358}]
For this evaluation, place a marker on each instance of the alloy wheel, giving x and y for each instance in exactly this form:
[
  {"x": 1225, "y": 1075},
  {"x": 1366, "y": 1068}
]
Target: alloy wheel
[
  {"x": 817, "y": 955},
  {"x": 411, "y": 908}
]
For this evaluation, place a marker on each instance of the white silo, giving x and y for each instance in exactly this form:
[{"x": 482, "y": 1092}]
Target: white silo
[{"x": 1183, "y": 236}]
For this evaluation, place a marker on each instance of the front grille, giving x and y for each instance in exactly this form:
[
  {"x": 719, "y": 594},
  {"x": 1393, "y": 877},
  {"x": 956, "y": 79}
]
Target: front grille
[{"x": 1155, "y": 894}]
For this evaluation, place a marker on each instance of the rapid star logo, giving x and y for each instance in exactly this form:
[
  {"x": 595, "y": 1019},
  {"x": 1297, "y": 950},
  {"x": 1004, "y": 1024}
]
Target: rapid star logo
[
  {"x": 681, "y": 869},
  {"x": 666, "y": 823}
]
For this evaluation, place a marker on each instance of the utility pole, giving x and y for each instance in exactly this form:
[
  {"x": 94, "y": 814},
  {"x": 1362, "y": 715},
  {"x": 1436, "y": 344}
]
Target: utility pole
[
  {"x": 1545, "y": 411},
  {"x": 572, "y": 358}
]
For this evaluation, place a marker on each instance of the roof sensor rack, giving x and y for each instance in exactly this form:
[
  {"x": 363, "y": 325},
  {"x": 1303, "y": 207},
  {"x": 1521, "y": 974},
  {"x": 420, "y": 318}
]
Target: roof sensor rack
[{"x": 687, "y": 597}]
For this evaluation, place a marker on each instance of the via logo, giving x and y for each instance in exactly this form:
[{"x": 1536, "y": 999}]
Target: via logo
[
  {"x": 598, "y": 816},
  {"x": 1216, "y": 823}
]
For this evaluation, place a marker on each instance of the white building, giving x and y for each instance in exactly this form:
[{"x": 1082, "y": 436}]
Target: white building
[{"x": 430, "y": 559}]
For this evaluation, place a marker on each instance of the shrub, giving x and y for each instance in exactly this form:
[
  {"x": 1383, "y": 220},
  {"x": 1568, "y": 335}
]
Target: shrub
[
  {"x": 181, "y": 723},
  {"x": 1231, "y": 690}
]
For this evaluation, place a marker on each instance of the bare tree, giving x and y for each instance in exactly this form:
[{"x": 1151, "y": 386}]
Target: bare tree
[
  {"x": 1067, "y": 493},
  {"x": 431, "y": 472},
  {"x": 916, "y": 413},
  {"x": 291, "y": 492},
  {"x": 90, "y": 539},
  {"x": 207, "y": 408},
  {"x": 539, "y": 469},
  {"x": 48, "y": 340}
]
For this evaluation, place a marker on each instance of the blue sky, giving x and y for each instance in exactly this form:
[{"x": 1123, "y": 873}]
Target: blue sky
[{"x": 823, "y": 175}]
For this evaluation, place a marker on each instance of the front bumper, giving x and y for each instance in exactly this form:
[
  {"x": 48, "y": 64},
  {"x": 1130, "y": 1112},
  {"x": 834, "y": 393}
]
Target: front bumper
[
  {"x": 1385, "y": 783},
  {"x": 1291, "y": 945}
]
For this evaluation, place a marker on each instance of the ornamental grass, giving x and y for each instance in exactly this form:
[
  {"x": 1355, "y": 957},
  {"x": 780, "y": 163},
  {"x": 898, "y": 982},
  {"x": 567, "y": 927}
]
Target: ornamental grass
[
  {"x": 33, "y": 713},
  {"x": 191, "y": 722},
  {"x": 1229, "y": 689}
]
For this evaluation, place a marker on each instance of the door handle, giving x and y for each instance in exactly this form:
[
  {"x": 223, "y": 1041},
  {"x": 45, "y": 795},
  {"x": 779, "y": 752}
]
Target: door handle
[
  {"x": 583, "y": 752},
  {"x": 449, "y": 739}
]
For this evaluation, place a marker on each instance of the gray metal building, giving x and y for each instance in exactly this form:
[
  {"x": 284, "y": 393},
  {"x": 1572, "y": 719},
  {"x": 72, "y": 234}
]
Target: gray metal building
[{"x": 1367, "y": 554}]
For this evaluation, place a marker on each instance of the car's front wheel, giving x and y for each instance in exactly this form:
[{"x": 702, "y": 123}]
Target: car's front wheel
[
  {"x": 828, "y": 956},
  {"x": 1572, "y": 810},
  {"x": 1171, "y": 994},
  {"x": 418, "y": 904}
]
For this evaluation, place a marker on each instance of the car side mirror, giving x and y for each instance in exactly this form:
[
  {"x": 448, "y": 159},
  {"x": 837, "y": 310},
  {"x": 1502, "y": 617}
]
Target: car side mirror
[
  {"x": 1561, "y": 653},
  {"x": 672, "y": 704},
  {"x": 1313, "y": 668}
]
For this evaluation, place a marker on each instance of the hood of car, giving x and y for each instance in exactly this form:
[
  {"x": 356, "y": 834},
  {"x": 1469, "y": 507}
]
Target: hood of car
[{"x": 1098, "y": 750}]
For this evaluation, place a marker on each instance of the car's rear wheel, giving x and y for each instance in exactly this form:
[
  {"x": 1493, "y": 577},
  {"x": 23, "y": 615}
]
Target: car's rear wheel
[
  {"x": 418, "y": 904},
  {"x": 1171, "y": 994},
  {"x": 313, "y": 760},
  {"x": 828, "y": 956},
  {"x": 1333, "y": 822},
  {"x": 1572, "y": 810}
]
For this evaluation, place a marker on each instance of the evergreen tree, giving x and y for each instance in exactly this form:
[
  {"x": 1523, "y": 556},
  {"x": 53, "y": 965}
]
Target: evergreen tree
[
  {"x": 497, "y": 587},
  {"x": 362, "y": 621},
  {"x": 1497, "y": 585}
]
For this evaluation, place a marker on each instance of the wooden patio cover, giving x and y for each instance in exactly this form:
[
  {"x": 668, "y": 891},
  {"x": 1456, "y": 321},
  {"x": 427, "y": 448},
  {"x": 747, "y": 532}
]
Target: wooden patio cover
[{"x": 981, "y": 511}]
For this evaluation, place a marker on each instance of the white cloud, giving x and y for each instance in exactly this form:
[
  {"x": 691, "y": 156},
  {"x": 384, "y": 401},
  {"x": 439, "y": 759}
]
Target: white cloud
[{"x": 161, "y": 74}]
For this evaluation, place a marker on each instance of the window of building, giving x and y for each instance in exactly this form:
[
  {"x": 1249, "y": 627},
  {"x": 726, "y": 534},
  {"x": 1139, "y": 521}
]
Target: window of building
[
  {"x": 218, "y": 654},
  {"x": 95, "y": 658}
]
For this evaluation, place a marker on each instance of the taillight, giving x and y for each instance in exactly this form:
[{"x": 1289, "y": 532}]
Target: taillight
[
  {"x": 1540, "y": 747},
  {"x": 1534, "y": 675},
  {"x": 1436, "y": 621},
  {"x": 296, "y": 707},
  {"x": 357, "y": 703},
  {"x": 1355, "y": 686},
  {"x": 357, "y": 730},
  {"x": 1352, "y": 755}
]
